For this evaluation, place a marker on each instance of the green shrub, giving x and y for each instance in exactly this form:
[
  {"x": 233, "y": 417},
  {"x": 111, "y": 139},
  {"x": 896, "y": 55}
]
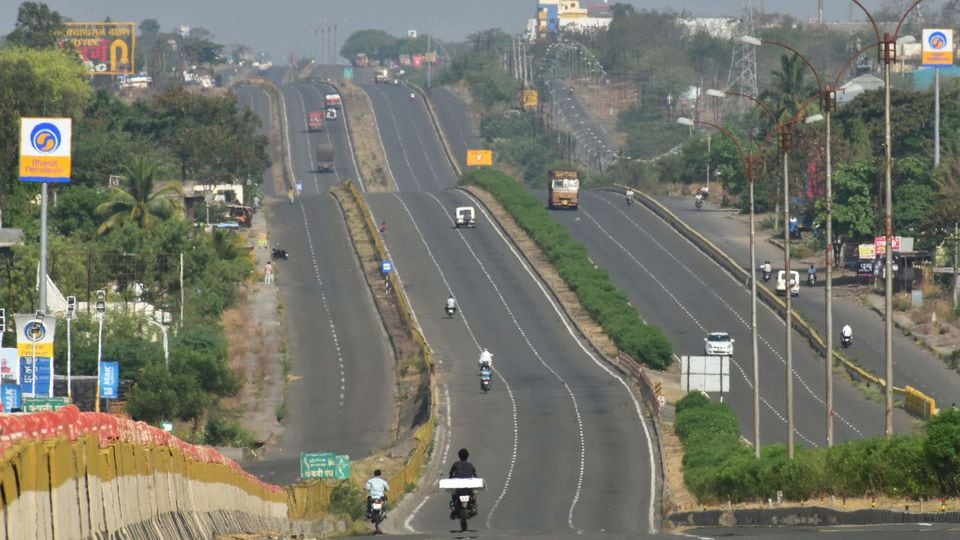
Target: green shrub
[
  {"x": 349, "y": 499},
  {"x": 225, "y": 432},
  {"x": 605, "y": 303}
]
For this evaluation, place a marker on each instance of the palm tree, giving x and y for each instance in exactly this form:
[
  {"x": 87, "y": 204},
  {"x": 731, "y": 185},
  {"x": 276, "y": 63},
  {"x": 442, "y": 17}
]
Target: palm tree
[
  {"x": 138, "y": 201},
  {"x": 789, "y": 90}
]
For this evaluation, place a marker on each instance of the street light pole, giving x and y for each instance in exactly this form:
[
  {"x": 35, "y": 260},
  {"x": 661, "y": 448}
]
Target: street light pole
[
  {"x": 747, "y": 160},
  {"x": 101, "y": 309},
  {"x": 71, "y": 305},
  {"x": 889, "y": 56},
  {"x": 788, "y": 317}
]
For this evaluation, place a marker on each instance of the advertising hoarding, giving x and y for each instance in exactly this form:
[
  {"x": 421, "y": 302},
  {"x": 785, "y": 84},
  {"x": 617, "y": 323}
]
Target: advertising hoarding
[{"x": 106, "y": 48}]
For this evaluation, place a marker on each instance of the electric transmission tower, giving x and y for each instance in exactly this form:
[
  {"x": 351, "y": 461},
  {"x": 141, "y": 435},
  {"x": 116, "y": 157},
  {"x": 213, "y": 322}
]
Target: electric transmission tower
[{"x": 743, "y": 63}]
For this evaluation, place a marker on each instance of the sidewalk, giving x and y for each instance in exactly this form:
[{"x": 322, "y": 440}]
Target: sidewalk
[{"x": 914, "y": 364}]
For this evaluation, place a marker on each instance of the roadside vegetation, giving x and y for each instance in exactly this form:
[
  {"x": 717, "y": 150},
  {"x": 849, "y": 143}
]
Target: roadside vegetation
[
  {"x": 128, "y": 238},
  {"x": 720, "y": 468},
  {"x": 606, "y": 303}
]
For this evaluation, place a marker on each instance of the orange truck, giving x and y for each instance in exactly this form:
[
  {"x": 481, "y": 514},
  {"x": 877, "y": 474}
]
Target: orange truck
[
  {"x": 315, "y": 121},
  {"x": 564, "y": 189}
]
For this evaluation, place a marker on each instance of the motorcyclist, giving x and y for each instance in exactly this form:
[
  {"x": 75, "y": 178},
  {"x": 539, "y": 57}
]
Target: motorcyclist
[
  {"x": 462, "y": 469},
  {"x": 452, "y": 303},
  {"x": 486, "y": 358},
  {"x": 846, "y": 332},
  {"x": 629, "y": 195},
  {"x": 812, "y": 272},
  {"x": 705, "y": 191},
  {"x": 485, "y": 375},
  {"x": 698, "y": 199},
  {"x": 377, "y": 488},
  {"x": 767, "y": 268},
  {"x": 412, "y": 96}
]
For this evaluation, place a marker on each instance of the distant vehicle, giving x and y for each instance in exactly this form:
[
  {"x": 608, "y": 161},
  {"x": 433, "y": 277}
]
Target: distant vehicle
[
  {"x": 794, "y": 283},
  {"x": 325, "y": 157},
  {"x": 465, "y": 216},
  {"x": 315, "y": 121},
  {"x": 381, "y": 75},
  {"x": 718, "y": 344},
  {"x": 564, "y": 189},
  {"x": 331, "y": 114},
  {"x": 332, "y": 101}
]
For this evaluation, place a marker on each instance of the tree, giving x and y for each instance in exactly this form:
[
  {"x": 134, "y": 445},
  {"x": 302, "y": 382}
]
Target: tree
[
  {"x": 139, "y": 201},
  {"x": 853, "y": 210},
  {"x": 789, "y": 89},
  {"x": 32, "y": 83},
  {"x": 36, "y": 27},
  {"x": 376, "y": 44}
]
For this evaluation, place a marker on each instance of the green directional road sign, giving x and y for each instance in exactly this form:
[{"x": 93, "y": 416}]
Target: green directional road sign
[
  {"x": 40, "y": 404},
  {"x": 317, "y": 465},
  {"x": 348, "y": 73},
  {"x": 342, "y": 467}
]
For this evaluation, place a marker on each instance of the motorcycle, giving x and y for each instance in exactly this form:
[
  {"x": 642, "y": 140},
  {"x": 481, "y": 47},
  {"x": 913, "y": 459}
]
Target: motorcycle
[
  {"x": 629, "y": 200},
  {"x": 413, "y": 96},
  {"x": 811, "y": 279},
  {"x": 279, "y": 253},
  {"x": 463, "y": 507},
  {"x": 846, "y": 341},
  {"x": 377, "y": 513},
  {"x": 698, "y": 202},
  {"x": 485, "y": 383},
  {"x": 766, "y": 275},
  {"x": 450, "y": 311}
]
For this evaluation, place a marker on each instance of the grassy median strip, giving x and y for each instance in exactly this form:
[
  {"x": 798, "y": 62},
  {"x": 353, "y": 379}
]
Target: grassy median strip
[{"x": 605, "y": 303}]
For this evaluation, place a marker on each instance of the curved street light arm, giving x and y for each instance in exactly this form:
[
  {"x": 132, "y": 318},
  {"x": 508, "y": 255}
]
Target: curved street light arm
[
  {"x": 758, "y": 101},
  {"x": 873, "y": 22}
]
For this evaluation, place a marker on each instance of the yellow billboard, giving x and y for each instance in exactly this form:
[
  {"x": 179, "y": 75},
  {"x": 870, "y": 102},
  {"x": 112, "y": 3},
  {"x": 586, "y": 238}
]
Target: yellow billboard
[
  {"x": 479, "y": 158},
  {"x": 106, "y": 48},
  {"x": 530, "y": 99}
]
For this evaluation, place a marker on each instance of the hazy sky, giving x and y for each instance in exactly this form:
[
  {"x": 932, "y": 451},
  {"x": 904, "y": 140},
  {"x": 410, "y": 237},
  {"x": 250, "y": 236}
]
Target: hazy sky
[{"x": 282, "y": 26}]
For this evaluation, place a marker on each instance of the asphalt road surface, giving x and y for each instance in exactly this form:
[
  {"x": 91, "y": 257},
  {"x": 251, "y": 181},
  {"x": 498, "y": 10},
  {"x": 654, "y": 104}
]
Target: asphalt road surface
[
  {"x": 559, "y": 439},
  {"x": 676, "y": 287},
  {"x": 340, "y": 397},
  {"x": 912, "y": 365}
]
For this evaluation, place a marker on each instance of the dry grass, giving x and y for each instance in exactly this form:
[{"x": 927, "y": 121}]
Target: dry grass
[{"x": 371, "y": 161}]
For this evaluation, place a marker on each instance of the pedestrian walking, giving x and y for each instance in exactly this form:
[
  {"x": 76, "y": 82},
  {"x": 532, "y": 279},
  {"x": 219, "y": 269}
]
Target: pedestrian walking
[
  {"x": 383, "y": 227},
  {"x": 268, "y": 273}
]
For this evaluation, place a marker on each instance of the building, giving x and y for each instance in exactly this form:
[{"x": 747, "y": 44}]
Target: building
[{"x": 556, "y": 15}]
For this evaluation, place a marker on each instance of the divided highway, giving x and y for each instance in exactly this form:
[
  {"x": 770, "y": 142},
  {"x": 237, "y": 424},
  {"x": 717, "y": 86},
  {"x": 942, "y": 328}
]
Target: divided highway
[
  {"x": 680, "y": 290},
  {"x": 340, "y": 396},
  {"x": 560, "y": 440}
]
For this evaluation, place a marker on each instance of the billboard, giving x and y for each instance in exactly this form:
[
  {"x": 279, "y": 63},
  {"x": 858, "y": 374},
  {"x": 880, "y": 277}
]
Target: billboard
[
  {"x": 937, "y": 47},
  {"x": 106, "y": 48},
  {"x": 35, "y": 348},
  {"x": 45, "y": 149}
]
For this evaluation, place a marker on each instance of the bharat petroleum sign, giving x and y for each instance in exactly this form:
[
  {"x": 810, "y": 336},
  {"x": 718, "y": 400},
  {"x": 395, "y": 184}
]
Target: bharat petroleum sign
[
  {"x": 937, "y": 47},
  {"x": 45, "y": 149},
  {"x": 105, "y": 48}
]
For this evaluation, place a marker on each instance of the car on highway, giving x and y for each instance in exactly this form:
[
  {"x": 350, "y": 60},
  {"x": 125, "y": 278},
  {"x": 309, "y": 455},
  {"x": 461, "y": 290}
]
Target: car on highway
[
  {"x": 794, "y": 283},
  {"x": 718, "y": 344},
  {"x": 331, "y": 114}
]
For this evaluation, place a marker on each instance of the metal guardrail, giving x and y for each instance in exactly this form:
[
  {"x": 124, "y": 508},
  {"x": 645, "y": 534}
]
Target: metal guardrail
[{"x": 915, "y": 402}]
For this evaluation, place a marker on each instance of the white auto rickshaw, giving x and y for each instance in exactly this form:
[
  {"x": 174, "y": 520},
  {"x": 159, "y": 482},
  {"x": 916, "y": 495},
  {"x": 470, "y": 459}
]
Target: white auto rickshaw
[
  {"x": 465, "y": 216},
  {"x": 794, "y": 283}
]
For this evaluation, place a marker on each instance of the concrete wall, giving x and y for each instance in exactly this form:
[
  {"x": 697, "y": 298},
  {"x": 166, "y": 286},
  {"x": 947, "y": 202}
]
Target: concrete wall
[{"x": 85, "y": 478}]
